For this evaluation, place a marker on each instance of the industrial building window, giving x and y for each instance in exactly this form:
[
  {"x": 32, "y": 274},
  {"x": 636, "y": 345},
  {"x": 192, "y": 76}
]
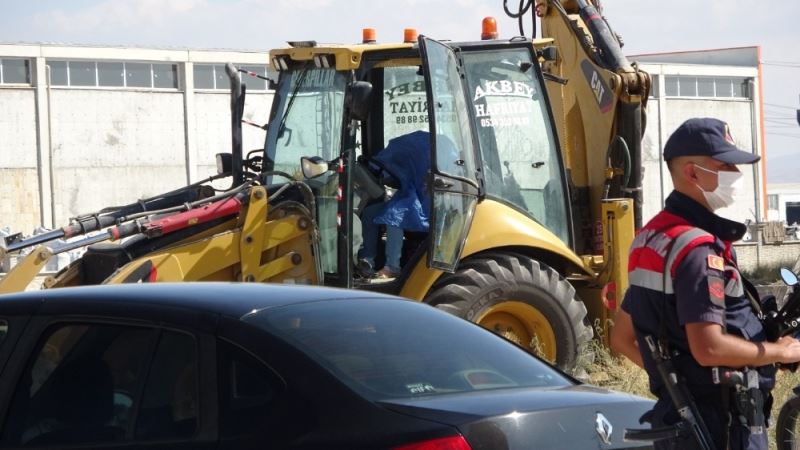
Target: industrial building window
[
  {"x": 772, "y": 199},
  {"x": 213, "y": 76},
  {"x": 113, "y": 74},
  {"x": 654, "y": 81},
  {"x": 15, "y": 71},
  {"x": 707, "y": 86}
]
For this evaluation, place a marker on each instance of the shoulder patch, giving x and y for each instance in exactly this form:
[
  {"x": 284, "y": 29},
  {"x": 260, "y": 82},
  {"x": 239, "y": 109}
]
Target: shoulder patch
[
  {"x": 716, "y": 290},
  {"x": 716, "y": 262}
]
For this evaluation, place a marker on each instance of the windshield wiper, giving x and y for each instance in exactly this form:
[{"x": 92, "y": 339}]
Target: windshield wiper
[{"x": 300, "y": 80}]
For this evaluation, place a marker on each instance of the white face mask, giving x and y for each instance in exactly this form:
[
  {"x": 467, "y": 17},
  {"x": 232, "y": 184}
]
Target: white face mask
[{"x": 728, "y": 183}]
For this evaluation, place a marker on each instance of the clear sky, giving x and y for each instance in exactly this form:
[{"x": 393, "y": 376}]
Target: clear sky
[{"x": 647, "y": 26}]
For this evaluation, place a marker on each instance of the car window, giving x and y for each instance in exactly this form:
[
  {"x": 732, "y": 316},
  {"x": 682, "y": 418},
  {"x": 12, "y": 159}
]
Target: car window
[
  {"x": 80, "y": 386},
  {"x": 247, "y": 391},
  {"x": 398, "y": 349},
  {"x": 169, "y": 406}
]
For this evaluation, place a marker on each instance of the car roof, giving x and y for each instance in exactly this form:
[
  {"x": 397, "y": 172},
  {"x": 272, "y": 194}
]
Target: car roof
[{"x": 231, "y": 299}]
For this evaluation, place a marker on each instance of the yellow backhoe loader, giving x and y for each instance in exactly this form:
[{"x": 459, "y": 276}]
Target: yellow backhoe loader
[{"x": 534, "y": 181}]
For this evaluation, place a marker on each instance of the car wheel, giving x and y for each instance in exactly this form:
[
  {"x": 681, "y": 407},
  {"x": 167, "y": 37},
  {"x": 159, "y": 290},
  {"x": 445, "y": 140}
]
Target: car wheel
[{"x": 520, "y": 299}]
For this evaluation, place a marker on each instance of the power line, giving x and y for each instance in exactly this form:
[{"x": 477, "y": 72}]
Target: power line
[{"x": 791, "y": 64}]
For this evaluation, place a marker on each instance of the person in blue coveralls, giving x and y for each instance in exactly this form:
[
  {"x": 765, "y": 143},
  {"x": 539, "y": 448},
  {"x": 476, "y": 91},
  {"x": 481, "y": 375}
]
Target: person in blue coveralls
[{"x": 404, "y": 164}]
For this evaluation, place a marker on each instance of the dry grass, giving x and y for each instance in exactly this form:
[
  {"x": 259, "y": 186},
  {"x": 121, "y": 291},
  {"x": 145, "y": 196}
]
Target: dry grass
[{"x": 599, "y": 367}]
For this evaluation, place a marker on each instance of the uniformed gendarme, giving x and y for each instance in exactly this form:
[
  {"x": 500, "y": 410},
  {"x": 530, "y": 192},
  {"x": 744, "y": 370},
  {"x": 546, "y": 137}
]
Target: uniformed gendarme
[{"x": 687, "y": 293}]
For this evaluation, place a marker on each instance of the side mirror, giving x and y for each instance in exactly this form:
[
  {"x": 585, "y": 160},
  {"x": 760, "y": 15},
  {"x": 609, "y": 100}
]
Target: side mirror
[
  {"x": 224, "y": 163},
  {"x": 313, "y": 166},
  {"x": 359, "y": 99},
  {"x": 788, "y": 277}
]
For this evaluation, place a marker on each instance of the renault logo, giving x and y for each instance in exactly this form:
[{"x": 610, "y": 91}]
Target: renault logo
[{"x": 603, "y": 428}]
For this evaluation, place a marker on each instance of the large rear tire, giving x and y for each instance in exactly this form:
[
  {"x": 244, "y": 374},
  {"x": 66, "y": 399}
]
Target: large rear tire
[{"x": 520, "y": 299}]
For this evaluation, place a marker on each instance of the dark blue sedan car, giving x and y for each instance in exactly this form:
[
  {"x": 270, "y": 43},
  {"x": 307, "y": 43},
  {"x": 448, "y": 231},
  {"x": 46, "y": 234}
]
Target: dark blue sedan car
[{"x": 233, "y": 366}]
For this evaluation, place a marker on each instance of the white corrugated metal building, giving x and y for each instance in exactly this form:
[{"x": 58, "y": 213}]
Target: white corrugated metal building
[
  {"x": 112, "y": 125},
  {"x": 725, "y": 84}
]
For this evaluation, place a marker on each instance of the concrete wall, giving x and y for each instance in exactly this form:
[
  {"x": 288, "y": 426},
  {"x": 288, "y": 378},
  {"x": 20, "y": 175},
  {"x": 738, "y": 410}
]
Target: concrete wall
[
  {"x": 114, "y": 147},
  {"x": 751, "y": 254},
  {"x": 212, "y": 128},
  {"x": 653, "y": 193},
  {"x": 657, "y": 182},
  {"x": 665, "y": 114},
  {"x": 19, "y": 194},
  {"x": 738, "y": 115}
]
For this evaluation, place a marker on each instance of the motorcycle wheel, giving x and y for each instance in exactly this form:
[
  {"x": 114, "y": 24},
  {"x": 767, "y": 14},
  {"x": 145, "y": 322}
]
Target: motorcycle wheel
[{"x": 787, "y": 428}]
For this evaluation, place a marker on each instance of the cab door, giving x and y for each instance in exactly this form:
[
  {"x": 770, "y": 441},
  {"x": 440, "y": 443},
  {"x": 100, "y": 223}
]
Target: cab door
[{"x": 453, "y": 178}]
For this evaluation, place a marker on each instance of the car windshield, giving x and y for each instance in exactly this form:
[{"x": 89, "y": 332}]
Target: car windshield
[{"x": 397, "y": 349}]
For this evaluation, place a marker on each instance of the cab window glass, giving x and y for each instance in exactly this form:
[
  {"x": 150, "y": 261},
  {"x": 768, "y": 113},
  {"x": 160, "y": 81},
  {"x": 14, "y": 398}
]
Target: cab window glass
[
  {"x": 3, "y": 330},
  {"x": 405, "y": 104},
  {"x": 169, "y": 406},
  {"x": 308, "y": 119},
  {"x": 248, "y": 391},
  {"x": 79, "y": 386},
  {"x": 521, "y": 163},
  {"x": 454, "y": 152}
]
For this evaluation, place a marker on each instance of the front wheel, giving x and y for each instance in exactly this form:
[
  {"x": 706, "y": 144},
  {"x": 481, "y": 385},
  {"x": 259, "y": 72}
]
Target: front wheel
[
  {"x": 520, "y": 299},
  {"x": 787, "y": 428}
]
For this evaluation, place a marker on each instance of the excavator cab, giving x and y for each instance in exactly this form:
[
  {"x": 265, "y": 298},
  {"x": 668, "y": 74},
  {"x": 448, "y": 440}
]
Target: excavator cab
[{"x": 491, "y": 137}]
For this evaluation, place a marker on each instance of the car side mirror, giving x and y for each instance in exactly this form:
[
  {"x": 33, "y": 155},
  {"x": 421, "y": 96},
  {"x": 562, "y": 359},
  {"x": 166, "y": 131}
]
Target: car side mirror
[
  {"x": 313, "y": 166},
  {"x": 788, "y": 277},
  {"x": 359, "y": 99}
]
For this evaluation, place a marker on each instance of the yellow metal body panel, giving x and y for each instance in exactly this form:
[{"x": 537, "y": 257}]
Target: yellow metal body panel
[
  {"x": 584, "y": 131},
  {"x": 18, "y": 279},
  {"x": 618, "y": 232},
  {"x": 496, "y": 226},
  {"x": 252, "y": 248},
  {"x": 348, "y": 57},
  {"x": 218, "y": 258},
  {"x": 72, "y": 275}
]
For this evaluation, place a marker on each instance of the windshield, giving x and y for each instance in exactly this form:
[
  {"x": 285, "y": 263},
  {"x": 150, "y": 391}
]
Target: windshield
[
  {"x": 517, "y": 141},
  {"x": 307, "y": 120},
  {"x": 386, "y": 348}
]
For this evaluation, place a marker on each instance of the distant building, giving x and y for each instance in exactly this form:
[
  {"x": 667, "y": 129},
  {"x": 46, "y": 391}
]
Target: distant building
[
  {"x": 88, "y": 127},
  {"x": 725, "y": 84},
  {"x": 784, "y": 202}
]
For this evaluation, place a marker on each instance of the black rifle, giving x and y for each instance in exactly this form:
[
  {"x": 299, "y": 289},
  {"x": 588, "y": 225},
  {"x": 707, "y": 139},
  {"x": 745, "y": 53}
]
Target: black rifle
[{"x": 691, "y": 421}]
